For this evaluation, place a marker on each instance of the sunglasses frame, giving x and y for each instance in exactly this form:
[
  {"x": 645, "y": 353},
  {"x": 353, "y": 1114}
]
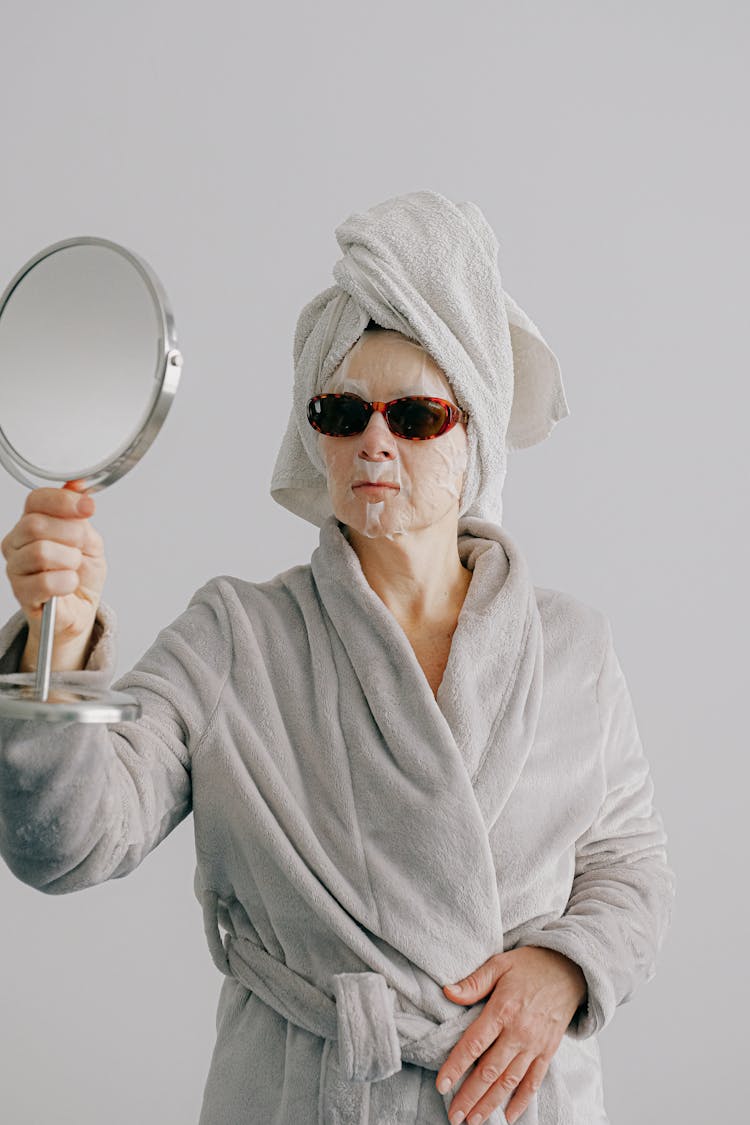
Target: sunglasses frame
[{"x": 455, "y": 413}]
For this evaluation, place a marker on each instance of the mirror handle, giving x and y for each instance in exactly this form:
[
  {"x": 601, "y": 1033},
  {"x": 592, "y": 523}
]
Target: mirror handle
[
  {"x": 44, "y": 661},
  {"x": 47, "y": 638}
]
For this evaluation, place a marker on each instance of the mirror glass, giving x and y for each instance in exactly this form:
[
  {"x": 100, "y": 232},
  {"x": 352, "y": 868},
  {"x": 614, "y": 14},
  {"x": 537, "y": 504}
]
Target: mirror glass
[{"x": 81, "y": 340}]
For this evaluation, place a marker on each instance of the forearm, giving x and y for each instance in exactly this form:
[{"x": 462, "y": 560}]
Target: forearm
[{"x": 613, "y": 929}]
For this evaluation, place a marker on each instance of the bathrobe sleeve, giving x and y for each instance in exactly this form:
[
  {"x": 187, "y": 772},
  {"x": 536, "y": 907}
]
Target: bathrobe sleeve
[
  {"x": 620, "y": 906},
  {"x": 81, "y": 803}
]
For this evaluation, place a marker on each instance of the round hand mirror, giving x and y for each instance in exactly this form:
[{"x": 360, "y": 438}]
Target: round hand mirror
[{"x": 88, "y": 371}]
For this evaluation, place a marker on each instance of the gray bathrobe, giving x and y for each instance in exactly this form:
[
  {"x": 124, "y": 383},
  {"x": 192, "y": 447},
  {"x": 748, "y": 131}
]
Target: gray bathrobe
[{"x": 360, "y": 842}]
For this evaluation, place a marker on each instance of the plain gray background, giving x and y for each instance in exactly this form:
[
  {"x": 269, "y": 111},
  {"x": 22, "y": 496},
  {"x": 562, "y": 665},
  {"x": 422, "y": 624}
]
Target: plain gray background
[{"x": 607, "y": 145}]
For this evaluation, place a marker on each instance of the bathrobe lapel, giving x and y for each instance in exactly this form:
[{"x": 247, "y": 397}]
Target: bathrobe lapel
[
  {"x": 491, "y": 691},
  {"x": 450, "y": 763}
]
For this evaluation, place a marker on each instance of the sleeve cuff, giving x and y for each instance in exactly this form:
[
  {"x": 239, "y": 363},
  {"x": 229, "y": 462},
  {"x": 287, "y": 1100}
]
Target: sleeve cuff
[
  {"x": 592, "y": 1015},
  {"x": 100, "y": 665}
]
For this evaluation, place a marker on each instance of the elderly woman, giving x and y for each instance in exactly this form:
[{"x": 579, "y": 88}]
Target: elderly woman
[{"x": 423, "y": 815}]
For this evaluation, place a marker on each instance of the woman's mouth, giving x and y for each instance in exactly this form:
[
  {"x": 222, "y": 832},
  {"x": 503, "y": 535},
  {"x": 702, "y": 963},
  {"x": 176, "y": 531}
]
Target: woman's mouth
[{"x": 374, "y": 488}]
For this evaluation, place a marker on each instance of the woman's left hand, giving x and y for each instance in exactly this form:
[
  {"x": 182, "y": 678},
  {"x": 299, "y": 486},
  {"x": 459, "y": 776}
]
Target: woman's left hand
[{"x": 535, "y": 993}]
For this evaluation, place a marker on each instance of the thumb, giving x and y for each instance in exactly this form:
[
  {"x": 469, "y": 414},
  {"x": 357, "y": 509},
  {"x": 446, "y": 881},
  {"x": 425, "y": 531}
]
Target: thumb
[{"x": 476, "y": 984}]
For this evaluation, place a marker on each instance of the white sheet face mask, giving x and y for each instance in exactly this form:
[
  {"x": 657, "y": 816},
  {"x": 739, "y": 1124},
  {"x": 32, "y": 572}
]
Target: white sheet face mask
[{"x": 427, "y": 475}]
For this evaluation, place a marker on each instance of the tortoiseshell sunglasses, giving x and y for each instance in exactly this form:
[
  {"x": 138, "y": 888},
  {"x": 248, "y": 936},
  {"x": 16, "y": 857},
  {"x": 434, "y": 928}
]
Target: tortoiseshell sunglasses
[{"x": 416, "y": 417}]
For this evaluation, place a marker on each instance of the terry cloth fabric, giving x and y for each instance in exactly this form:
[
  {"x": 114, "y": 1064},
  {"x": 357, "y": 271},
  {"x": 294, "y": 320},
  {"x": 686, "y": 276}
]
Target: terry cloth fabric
[
  {"x": 361, "y": 841},
  {"x": 428, "y": 268}
]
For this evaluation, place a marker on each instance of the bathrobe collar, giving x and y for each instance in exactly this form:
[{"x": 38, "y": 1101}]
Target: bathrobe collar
[{"x": 493, "y": 679}]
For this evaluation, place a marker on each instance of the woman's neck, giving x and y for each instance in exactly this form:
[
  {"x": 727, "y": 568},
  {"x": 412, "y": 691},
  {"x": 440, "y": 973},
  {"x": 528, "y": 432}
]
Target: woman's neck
[{"x": 418, "y": 575}]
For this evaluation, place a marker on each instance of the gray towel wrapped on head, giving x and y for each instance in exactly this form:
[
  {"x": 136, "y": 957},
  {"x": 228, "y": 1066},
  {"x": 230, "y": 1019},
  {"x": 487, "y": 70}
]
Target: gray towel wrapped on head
[{"x": 426, "y": 267}]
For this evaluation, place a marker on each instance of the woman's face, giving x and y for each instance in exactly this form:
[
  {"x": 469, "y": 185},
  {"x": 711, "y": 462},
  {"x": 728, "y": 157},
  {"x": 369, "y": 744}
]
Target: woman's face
[{"x": 426, "y": 477}]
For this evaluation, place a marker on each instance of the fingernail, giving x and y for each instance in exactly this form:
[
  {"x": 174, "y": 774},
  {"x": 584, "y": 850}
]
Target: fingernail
[
  {"x": 84, "y": 505},
  {"x": 458, "y": 1118},
  {"x": 457, "y": 988},
  {"x": 444, "y": 1085}
]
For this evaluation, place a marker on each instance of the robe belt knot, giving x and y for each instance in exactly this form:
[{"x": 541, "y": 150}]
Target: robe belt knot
[{"x": 367, "y": 1039}]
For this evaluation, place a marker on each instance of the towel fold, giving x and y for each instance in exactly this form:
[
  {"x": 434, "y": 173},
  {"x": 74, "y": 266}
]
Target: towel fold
[{"x": 426, "y": 267}]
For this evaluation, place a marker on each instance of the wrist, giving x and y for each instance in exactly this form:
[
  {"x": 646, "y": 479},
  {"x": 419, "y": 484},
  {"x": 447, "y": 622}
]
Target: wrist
[
  {"x": 573, "y": 972},
  {"x": 69, "y": 655}
]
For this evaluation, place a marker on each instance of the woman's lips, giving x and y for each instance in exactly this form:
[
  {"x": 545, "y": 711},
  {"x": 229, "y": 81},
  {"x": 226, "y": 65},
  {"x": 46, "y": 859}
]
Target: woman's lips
[{"x": 367, "y": 486}]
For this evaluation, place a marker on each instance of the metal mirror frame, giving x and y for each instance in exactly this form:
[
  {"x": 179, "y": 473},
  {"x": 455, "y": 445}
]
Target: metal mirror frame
[
  {"x": 24, "y": 700},
  {"x": 166, "y": 378}
]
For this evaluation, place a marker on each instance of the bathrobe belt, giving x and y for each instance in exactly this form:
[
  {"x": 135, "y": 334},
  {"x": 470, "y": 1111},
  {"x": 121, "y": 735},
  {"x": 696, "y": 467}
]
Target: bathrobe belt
[{"x": 366, "y": 1038}]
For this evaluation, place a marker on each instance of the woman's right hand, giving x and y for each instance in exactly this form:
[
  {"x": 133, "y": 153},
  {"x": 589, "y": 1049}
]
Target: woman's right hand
[{"x": 54, "y": 551}]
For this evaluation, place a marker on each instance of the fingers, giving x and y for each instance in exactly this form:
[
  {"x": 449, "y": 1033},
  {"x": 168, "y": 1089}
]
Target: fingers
[
  {"x": 42, "y": 569},
  {"x": 499, "y": 1076},
  {"x": 61, "y": 502},
  {"x": 53, "y": 551},
  {"x": 44, "y": 554},
  {"x": 72, "y": 529},
  {"x": 532, "y": 1080},
  {"x": 480, "y": 1035},
  {"x": 34, "y": 590},
  {"x": 504, "y": 1043}
]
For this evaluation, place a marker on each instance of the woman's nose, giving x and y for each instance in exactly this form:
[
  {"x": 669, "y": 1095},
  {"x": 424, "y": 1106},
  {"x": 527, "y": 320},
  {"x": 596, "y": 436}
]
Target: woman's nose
[{"x": 377, "y": 443}]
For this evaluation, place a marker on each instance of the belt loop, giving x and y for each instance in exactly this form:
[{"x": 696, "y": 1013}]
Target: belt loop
[{"x": 369, "y": 1048}]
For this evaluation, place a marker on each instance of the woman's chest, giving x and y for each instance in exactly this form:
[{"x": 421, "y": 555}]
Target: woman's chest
[
  {"x": 431, "y": 649},
  {"x": 341, "y": 751}
]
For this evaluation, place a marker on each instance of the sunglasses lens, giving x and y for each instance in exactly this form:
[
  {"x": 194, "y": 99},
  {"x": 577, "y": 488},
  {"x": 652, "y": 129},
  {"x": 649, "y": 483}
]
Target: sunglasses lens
[
  {"x": 417, "y": 418},
  {"x": 337, "y": 416}
]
